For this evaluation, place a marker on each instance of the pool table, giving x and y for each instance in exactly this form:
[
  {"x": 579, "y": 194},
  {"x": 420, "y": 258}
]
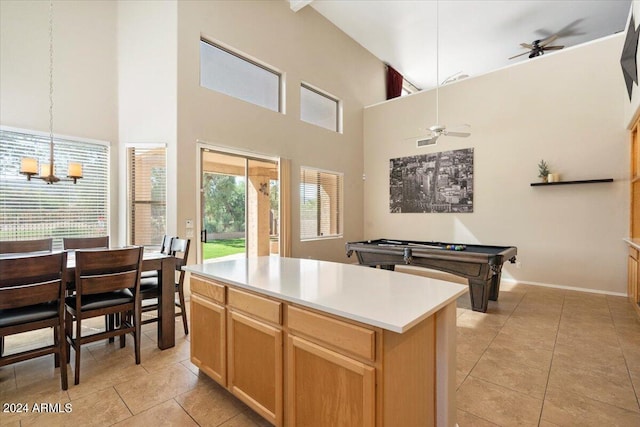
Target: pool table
[{"x": 481, "y": 265}]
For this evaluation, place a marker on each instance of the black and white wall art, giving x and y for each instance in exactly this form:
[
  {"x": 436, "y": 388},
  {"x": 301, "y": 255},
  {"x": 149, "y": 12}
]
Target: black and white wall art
[{"x": 432, "y": 183}]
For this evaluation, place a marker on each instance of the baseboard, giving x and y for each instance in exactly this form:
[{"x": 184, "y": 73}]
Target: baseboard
[{"x": 568, "y": 288}]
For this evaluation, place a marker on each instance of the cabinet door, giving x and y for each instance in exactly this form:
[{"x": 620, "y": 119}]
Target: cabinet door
[
  {"x": 208, "y": 338},
  {"x": 255, "y": 365},
  {"x": 326, "y": 388}
]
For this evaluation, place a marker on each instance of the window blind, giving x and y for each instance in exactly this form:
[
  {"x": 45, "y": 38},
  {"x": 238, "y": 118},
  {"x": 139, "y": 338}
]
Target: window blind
[
  {"x": 320, "y": 203},
  {"x": 34, "y": 209},
  {"x": 147, "y": 195}
]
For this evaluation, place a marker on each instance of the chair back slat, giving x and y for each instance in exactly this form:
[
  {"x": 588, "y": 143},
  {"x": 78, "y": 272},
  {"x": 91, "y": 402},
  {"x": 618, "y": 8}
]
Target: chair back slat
[
  {"x": 165, "y": 247},
  {"x": 100, "y": 283},
  {"x": 24, "y": 246},
  {"x": 32, "y": 269},
  {"x": 180, "y": 250},
  {"x": 86, "y": 242},
  {"x": 32, "y": 280},
  {"x": 108, "y": 270},
  {"x": 22, "y": 296}
]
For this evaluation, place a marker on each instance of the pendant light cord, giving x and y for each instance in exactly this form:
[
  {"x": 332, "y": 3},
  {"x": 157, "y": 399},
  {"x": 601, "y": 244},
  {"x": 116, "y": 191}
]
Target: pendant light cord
[
  {"x": 437, "y": 63},
  {"x": 51, "y": 88}
]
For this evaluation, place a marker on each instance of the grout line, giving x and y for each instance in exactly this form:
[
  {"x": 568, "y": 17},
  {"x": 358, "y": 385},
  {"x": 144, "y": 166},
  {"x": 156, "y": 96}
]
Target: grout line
[
  {"x": 553, "y": 352},
  {"x": 626, "y": 361}
]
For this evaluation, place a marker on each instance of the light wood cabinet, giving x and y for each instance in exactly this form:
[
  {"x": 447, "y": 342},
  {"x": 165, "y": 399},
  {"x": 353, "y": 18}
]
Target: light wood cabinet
[
  {"x": 633, "y": 288},
  {"x": 208, "y": 338},
  {"x": 326, "y": 388},
  {"x": 302, "y": 367},
  {"x": 255, "y": 365}
]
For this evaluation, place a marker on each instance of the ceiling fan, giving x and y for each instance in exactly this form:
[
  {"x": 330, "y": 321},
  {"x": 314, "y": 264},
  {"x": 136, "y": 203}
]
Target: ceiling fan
[
  {"x": 438, "y": 130},
  {"x": 538, "y": 47}
]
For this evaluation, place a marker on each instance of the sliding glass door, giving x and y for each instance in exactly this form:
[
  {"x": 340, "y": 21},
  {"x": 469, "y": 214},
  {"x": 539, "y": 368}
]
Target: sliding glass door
[{"x": 239, "y": 206}]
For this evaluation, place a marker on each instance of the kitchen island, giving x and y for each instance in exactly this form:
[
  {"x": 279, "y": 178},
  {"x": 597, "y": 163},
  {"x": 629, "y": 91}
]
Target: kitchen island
[{"x": 316, "y": 343}]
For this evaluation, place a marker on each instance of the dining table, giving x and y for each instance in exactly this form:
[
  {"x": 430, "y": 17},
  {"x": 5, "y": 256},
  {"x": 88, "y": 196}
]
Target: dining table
[{"x": 165, "y": 265}]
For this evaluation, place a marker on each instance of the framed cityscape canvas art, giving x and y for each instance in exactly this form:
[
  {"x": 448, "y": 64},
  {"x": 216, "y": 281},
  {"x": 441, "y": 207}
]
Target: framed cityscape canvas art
[{"x": 432, "y": 183}]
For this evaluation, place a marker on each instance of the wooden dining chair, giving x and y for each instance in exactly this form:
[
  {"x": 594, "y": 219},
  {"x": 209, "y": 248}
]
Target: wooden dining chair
[
  {"x": 32, "y": 293},
  {"x": 165, "y": 246},
  {"x": 150, "y": 286},
  {"x": 107, "y": 283},
  {"x": 24, "y": 246},
  {"x": 85, "y": 242}
]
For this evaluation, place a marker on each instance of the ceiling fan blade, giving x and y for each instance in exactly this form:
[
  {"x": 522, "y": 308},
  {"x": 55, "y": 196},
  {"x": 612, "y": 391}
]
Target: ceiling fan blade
[
  {"x": 459, "y": 134},
  {"x": 526, "y": 45},
  {"x": 427, "y": 141},
  {"x": 547, "y": 40},
  {"x": 520, "y": 54},
  {"x": 553, "y": 47}
]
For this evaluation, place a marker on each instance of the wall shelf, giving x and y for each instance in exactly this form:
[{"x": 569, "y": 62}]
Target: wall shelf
[{"x": 584, "y": 181}]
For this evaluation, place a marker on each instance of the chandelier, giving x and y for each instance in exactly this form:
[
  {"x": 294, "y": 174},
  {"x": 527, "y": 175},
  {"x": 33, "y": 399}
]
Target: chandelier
[{"x": 29, "y": 165}]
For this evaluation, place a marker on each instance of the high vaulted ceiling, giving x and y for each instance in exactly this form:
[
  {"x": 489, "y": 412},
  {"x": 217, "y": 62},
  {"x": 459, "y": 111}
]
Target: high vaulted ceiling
[{"x": 474, "y": 37}]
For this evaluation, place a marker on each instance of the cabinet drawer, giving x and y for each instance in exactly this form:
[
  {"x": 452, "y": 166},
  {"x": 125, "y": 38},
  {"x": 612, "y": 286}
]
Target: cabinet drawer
[
  {"x": 208, "y": 289},
  {"x": 342, "y": 335},
  {"x": 260, "y": 307},
  {"x": 633, "y": 252}
]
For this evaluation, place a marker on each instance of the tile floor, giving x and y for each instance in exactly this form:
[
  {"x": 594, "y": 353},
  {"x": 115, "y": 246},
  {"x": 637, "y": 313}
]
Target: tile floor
[{"x": 539, "y": 356}]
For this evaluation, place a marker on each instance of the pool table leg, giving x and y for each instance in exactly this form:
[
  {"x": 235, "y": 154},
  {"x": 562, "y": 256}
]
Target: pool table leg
[
  {"x": 495, "y": 282},
  {"x": 479, "y": 292}
]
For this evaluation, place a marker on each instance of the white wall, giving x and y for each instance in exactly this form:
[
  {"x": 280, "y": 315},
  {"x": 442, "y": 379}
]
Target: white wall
[
  {"x": 147, "y": 90},
  {"x": 566, "y": 108},
  {"x": 85, "y": 96},
  {"x": 305, "y": 47}
]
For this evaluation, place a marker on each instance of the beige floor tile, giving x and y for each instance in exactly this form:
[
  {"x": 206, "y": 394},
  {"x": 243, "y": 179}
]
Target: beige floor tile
[
  {"x": 147, "y": 390},
  {"x": 511, "y": 373},
  {"x": 613, "y": 387},
  {"x": 103, "y": 374},
  {"x": 190, "y": 366},
  {"x": 209, "y": 404},
  {"x": 153, "y": 358},
  {"x": 7, "y": 378},
  {"x": 498, "y": 404},
  {"x": 167, "y": 413},
  {"x": 537, "y": 335},
  {"x": 465, "y": 419},
  {"x": 564, "y": 409},
  {"x": 528, "y": 354},
  {"x": 99, "y": 409},
  {"x": 463, "y": 367},
  {"x": 245, "y": 419},
  {"x": 478, "y": 320},
  {"x": 39, "y": 392}
]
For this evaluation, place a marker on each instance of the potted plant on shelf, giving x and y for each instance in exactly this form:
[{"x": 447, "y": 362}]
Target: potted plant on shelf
[{"x": 543, "y": 170}]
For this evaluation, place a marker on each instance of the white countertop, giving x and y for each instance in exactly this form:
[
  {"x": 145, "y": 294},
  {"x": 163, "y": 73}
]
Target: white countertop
[
  {"x": 633, "y": 242},
  {"x": 386, "y": 299}
]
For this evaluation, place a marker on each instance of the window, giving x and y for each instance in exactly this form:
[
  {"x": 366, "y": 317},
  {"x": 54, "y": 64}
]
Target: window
[
  {"x": 319, "y": 108},
  {"x": 147, "y": 195},
  {"x": 34, "y": 209},
  {"x": 320, "y": 204},
  {"x": 233, "y": 75},
  {"x": 408, "y": 88}
]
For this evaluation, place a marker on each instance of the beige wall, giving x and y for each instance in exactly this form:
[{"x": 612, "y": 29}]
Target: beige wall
[
  {"x": 85, "y": 78},
  {"x": 566, "y": 108},
  {"x": 305, "y": 47},
  {"x": 147, "y": 90}
]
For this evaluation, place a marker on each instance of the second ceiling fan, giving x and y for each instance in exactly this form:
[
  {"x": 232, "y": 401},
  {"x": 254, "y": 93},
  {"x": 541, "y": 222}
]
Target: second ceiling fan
[{"x": 538, "y": 47}]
